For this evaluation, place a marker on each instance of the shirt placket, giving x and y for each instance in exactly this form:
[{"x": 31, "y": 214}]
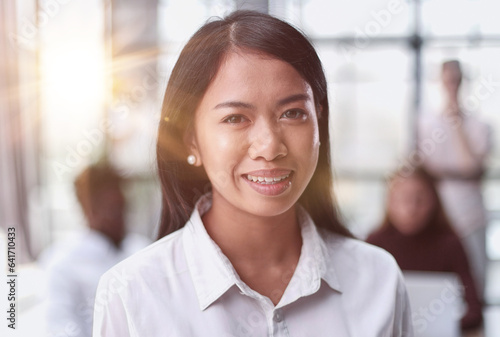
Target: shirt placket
[
  {"x": 275, "y": 320},
  {"x": 276, "y": 324}
]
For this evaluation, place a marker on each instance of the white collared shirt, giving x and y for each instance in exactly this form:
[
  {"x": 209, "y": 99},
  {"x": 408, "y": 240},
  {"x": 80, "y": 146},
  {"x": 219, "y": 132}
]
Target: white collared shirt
[
  {"x": 442, "y": 155},
  {"x": 73, "y": 269},
  {"x": 183, "y": 285}
]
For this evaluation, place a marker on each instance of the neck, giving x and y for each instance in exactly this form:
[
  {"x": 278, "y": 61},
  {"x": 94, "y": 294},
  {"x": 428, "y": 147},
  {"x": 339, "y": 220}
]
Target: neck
[{"x": 251, "y": 239}]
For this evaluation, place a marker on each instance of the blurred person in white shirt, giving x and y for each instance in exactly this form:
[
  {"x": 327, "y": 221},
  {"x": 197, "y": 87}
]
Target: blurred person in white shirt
[
  {"x": 75, "y": 266},
  {"x": 458, "y": 159}
]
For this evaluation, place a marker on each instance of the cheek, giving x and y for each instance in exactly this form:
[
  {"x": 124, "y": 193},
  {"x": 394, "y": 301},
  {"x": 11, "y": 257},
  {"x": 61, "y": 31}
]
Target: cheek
[
  {"x": 306, "y": 145},
  {"x": 210, "y": 142},
  {"x": 426, "y": 211},
  {"x": 219, "y": 152},
  {"x": 394, "y": 212},
  {"x": 312, "y": 153},
  {"x": 397, "y": 210}
]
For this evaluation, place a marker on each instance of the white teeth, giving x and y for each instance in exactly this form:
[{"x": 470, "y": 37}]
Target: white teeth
[{"x": 266, "y": 180}]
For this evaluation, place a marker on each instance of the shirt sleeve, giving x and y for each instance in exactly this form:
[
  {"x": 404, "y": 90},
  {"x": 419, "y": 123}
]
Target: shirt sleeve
[
  {"x": 391, "y": 296},
  {"x": 110, "y": 312},
  {"x": 403, "y": 325}
]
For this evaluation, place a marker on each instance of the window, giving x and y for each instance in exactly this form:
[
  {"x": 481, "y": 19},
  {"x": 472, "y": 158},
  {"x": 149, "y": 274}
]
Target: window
[{"x": 383, "y": 61}]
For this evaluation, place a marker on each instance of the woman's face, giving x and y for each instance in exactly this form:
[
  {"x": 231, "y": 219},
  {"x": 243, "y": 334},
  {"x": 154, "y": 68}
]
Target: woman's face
[
  {"x": 410, "y": 204},
  {"x": 256, "y": 134}
]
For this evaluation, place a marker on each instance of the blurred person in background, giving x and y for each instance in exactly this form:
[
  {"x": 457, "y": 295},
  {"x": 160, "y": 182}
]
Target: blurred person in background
[
  {"x": 458, "y": 161},
  {"x": 74, "y": 267},
  {"x": 416, "y": 231}
]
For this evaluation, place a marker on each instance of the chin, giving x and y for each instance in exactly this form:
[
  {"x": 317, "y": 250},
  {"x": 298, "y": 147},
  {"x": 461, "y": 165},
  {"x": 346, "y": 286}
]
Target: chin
[
  {"x": 271, "y": 208},
  {"x": 411, "y": 231}
]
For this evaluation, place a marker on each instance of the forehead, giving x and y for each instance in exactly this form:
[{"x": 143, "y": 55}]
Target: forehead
[{"x": 243, "y": 70}]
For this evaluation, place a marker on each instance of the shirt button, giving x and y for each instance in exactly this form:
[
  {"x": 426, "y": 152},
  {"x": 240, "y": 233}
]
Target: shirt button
[{"x": 278, "y": 316}]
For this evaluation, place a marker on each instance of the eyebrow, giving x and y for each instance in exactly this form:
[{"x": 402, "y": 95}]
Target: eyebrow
[
  {"x": 234, "y": 104},
  {"x": 284, "y": 101},
  {"x": 293, "y": 98}
]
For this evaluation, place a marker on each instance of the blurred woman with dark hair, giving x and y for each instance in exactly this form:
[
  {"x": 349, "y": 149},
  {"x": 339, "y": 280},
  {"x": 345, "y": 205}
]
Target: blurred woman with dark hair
[
  {"x": 416, "y": 231},
  {"x": 250, "y": 239}
]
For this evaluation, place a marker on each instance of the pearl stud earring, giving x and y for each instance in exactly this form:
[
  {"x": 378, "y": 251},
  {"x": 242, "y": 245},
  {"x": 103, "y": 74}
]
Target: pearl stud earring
[{"x": 191, "y": 159}]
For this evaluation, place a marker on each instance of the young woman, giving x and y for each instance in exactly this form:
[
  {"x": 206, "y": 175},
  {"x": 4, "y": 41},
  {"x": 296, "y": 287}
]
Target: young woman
[
  {"x": 417, "y": 233},
  {"x": 250, "y": 241}
]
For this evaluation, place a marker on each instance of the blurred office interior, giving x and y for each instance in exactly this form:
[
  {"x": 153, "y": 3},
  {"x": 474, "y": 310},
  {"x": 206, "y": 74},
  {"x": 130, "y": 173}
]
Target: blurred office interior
[{"x": 84, "y": 79}]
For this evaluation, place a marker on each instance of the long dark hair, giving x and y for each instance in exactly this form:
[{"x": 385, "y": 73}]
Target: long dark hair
[
  {"x": 438, "y": 220},
  {"x": 183, "y": 184}
]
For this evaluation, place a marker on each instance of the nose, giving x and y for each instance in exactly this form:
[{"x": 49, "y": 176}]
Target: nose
[
  {"x": 413, "y": 207},
  {"x": 266, "y": 141}
]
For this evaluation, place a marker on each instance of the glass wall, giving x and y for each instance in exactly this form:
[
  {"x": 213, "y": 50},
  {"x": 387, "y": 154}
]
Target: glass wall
[
  {"x": 383, "y": 63},
  {"x": 381, "y": 57}
]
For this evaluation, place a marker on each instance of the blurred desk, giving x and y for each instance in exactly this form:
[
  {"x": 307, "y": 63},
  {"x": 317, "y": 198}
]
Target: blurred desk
[{"x": 437, "y": 303}]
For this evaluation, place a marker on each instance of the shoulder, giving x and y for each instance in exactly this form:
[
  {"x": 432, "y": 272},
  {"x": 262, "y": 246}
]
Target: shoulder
[
  {"x": 477, "y": 126},
  {"x": 369, "y": 279},
  {"x": 477, "y": 121},
  {"x": 154, "y": 282},
  {"x": 161, "y": 259},
  {"x": 347, "y": 253}
]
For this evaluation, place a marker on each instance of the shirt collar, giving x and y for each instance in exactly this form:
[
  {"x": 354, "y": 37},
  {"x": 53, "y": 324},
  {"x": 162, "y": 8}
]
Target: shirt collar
[
  {"x": 213, "y": 274},
  {"x": 210, "y": 269},
  {"x": 315, "y": 263}
]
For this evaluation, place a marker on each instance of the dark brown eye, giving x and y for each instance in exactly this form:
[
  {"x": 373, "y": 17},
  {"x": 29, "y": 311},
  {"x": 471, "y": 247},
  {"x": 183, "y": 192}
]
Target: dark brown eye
[
  {"x": 234, "y": 119},
  {"x": 294, "y": 114}
]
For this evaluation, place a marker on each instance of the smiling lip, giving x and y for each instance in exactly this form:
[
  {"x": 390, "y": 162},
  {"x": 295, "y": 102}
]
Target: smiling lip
[{"x": 269, "y": 182}]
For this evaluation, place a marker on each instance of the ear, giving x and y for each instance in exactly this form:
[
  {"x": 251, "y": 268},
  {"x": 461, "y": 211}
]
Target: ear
[{"x": 192, "y": 145}]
